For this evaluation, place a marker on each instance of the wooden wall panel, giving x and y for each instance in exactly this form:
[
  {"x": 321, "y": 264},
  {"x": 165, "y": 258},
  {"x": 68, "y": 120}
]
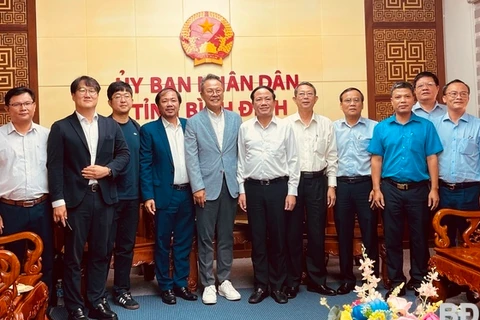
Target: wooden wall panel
[
  {"x": 403, "y": 38},
  {"x": 18, "y": 49}
]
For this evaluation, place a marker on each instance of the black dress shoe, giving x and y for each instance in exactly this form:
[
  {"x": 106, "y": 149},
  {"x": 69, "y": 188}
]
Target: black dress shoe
[
  {"x": 77, "y": 314},
  {"x": 102, "y": 312},
  {"x": 346, "y": 288},
  {"x": 291, "y": 292},
  {"x": 400, "y": 294},
  {"x": 258, "y": 295},
  {"x": 168, "y": 296},
  {"x": 184, "y": 293},
  {"x": 322, "y": 289},
  {"x": 412, "y": 285},
  {"x": 279, "y": 296}
]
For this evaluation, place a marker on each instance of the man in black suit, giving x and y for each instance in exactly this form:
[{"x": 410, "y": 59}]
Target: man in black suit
[{"x": 85, "y": 152}]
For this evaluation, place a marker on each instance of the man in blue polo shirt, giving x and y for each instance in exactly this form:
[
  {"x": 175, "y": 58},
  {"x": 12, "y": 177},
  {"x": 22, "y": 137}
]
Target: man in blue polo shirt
[
  {"x": 459, "y": 163},
  {"x": 404, "y": 150}
]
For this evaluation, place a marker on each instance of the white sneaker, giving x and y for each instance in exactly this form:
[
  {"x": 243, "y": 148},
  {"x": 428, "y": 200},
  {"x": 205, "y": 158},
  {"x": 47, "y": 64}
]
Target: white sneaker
[
  {"x": 227, "y": 290},
  {"x": 209, "y": 295}
]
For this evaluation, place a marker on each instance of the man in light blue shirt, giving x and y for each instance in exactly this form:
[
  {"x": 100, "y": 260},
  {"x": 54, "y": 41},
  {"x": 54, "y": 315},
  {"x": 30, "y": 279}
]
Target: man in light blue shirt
[
  {"x": 404, "y": 152},
  {"x": 426, "y": 86},
  {"x": 354, "y": 185},
  {"x": 459, "y": 163}
]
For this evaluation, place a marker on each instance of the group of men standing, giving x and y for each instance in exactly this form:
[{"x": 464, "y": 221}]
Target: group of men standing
[{"x": 284, "y": 173}]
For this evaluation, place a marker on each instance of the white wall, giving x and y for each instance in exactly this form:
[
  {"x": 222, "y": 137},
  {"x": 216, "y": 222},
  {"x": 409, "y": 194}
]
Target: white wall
[{"x": 459, "y": 37}]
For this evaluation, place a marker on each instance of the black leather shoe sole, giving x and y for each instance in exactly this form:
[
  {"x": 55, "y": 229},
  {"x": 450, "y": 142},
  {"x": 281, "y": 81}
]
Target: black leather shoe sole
[{"x": 168, "y": 297}]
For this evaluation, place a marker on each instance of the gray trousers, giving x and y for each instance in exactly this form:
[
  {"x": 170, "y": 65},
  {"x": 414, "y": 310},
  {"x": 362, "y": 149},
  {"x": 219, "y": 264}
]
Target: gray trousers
[{"x": 216, "y": 218}]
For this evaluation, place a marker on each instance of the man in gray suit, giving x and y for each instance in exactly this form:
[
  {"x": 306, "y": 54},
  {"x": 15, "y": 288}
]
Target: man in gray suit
[{"x": 211, "y": 158}]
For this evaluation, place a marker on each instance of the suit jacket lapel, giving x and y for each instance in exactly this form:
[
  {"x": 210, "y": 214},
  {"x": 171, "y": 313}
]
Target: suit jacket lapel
[
  {"x": 78, "y": 129},
  {"x": 102, "y": 122},
  {"x": 227, "y": 129},
  {"x": 164, "y": 139},
  {"x": 208, "y": 126}
]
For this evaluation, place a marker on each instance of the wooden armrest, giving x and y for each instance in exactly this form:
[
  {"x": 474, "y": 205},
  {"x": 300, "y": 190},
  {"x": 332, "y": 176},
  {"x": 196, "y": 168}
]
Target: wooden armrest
[
  {"x": 9, "y": 271},
  {"x": 473, "y": 219},
  {"x": 33, "y": 263}
]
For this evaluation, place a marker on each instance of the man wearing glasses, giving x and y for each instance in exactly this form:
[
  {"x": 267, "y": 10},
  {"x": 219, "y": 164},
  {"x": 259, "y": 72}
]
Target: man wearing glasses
[
  {"x": 24, "y": 204},
  {"x": 317, "y": 155},
  {"x": 404, "y": 150},
  {"x": 125, "y": 222},
  {"x": 426, "y": 87},
  {"x": 459, "y": 163},
  {"x": 211, "y": 157},
  {"x": 85, "y": 153}
]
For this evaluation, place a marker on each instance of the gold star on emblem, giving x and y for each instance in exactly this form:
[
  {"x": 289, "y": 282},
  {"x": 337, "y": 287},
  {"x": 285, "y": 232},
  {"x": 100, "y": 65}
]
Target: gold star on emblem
[{"x": 207, "y": 26}]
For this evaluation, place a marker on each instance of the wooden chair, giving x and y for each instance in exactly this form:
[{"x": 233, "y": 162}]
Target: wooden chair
[
  {"x": 461, "y": 264},
  {"x": 9, "y": 271},
  {"x": 32, "y": 304}
]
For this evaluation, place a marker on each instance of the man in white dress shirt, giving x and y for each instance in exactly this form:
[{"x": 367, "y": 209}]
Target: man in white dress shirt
[
  {"x": 268, "y": 171},
  {"x": 23, "y": 177},
  {"x": 317, "y": 153}
]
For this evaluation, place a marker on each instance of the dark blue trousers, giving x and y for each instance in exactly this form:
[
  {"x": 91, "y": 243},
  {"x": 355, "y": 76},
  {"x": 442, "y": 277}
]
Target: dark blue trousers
[
  {"x": 410, "y": 206},
  {"x": 352, "y": 200},
  {"x": 177, "y": 220},
  {"x": 460, "y": 199}
]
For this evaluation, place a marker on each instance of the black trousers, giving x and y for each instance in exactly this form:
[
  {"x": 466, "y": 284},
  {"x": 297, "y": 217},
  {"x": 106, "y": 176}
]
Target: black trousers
[
  {"x": 411, "y": 206},
  {"x": 266, "y": 219},
  {"x": 91, "y": 222},
  {"x": 312, "y": 200},
  {"x": 122, "y": 242},
  {"x": 352, "y": 200}
]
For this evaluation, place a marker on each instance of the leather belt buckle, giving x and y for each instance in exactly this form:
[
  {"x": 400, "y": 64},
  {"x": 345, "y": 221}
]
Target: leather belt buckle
[
  {"x": 265, "y": 182},
  {"x": 94, "y": 187},
  {"x": 450, "y": 186},
  {"x": 28, "y": 203},
  {"x": 402, "y": 186}
]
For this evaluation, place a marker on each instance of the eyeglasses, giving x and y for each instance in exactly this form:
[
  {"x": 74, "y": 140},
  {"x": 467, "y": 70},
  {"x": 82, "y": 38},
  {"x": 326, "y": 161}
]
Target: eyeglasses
[
  {"x": 213, "y": 92},
  {"x": 125, "y": 96},
  {"x": 454, "y": 94},
  {"x": 355, "y": 100},
  {"x": 305, "y": 94},
  {"x": 21, "y": 104},
  {"x": 426, "y": 84},
  {"x": 91, "y": 92}
]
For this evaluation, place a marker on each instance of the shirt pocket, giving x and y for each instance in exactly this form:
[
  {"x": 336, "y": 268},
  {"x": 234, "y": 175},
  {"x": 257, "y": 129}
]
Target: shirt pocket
[
  {"x": 319, "y": 145},
  {"x": 276, "y": 147},
  {"x": 362, "y": 144},
  {"x": 468, "y": 147}
]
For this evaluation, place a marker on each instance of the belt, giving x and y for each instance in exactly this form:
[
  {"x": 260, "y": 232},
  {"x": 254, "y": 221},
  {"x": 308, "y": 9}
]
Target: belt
[
  {"x": 181, "y": 187},
  {"x": 267, "y": 182},
  {"x": 354, "y": 179},
  {"x": 25, "y": 203},
  {"x": 94, "y": 187},
  {"x": 406, "y": 185},
  {"x": 461, "y": 185},
  {"x": 312, "y": 174}
]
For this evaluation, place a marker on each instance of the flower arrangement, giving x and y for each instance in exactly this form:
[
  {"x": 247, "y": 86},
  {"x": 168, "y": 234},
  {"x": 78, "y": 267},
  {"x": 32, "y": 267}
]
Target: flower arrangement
[{"x": 371, "y": 305}]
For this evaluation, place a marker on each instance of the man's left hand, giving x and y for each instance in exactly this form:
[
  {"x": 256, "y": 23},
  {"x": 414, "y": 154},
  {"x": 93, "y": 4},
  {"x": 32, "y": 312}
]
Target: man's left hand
[
  {"x": 290, "y": 202},
  {"x": 433, "y": 199},
  {"x": 95, "y": 172},
  {"x": 331, "y": 197}
]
